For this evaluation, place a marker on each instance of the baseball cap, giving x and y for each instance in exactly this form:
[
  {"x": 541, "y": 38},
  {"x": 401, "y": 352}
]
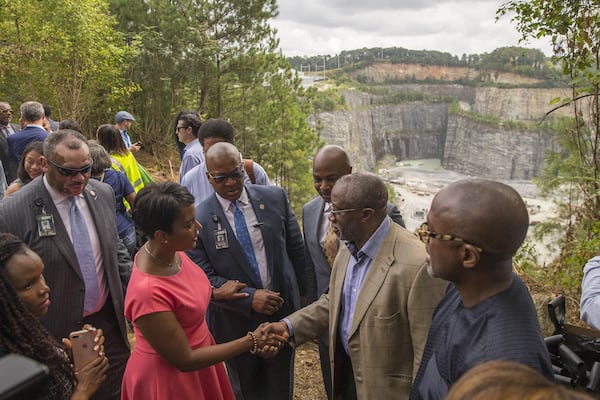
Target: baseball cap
[{"x": 123, "y": 115}]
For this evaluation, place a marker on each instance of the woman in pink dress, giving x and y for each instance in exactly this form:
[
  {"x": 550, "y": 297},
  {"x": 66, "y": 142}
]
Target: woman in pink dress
[{"x": 175, "y": 356}]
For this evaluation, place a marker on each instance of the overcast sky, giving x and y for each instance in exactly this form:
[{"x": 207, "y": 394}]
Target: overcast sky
[{"x": 313, "y": 27}]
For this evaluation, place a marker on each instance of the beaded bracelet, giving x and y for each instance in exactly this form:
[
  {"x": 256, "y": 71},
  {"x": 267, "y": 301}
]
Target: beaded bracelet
[{"x": 255, "y": 348}]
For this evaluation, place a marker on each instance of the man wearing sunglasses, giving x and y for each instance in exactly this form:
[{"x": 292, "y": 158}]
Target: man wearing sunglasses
[
  {"x": 7, "y": 128},
  {"x": 380, "y": 300},
  {"x": 251, "y": 235},
  {"x": 474, "y": 228},
  {"x": 70, "y": 222}
]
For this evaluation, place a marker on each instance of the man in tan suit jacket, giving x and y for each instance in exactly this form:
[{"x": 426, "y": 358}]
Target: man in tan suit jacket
[{"x": 380, "y": 298}]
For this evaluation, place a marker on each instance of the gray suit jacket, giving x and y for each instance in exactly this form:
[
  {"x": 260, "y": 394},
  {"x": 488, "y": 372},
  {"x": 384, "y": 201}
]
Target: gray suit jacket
[
  {"x": 312, "y": 213},
  {"x": 62, "y": 273},
  {"x": 391, "y": 320}
]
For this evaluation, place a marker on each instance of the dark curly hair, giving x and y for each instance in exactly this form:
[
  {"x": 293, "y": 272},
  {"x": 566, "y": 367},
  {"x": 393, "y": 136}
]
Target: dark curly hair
[{"x": 21, "y": 332}]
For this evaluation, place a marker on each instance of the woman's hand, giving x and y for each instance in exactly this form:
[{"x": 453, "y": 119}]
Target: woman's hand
[
  {"x": 230, "y": 290},
  {"x": 98, "y": 340},
  {"x": 92, "y": 374},
  {"x": 89, "y": 378}
]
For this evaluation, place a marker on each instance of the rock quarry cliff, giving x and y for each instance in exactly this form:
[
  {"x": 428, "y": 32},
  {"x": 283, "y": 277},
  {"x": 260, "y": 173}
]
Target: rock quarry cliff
[{"x": 486, "y": 135}]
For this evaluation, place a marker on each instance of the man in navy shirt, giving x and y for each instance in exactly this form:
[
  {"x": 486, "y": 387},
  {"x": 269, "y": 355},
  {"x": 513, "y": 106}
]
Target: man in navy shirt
[
  {"x": 473, "y": 229},
  {"x": 32, "y": 119}
]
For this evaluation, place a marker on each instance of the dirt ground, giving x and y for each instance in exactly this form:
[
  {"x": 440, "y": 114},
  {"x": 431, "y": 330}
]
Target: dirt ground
[{"x": 308, "y": 382}]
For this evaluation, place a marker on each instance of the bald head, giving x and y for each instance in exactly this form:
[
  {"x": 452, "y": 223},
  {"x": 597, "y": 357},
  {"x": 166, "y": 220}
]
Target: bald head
[
  {"x": 334, "y": 155},
  {"x": 330, "y": 163},
  {"x": 220, "y": 151},
  {"x": 487, "y": 213},
  {"x": 225, "y": 170}
]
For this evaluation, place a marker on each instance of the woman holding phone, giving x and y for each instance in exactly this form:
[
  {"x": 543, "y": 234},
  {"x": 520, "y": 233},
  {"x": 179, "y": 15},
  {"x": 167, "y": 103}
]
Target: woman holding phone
[
  {"x": 175, "y": 356},
  {"x": 24, "y": 297},
  {"x": 108, "y": 136}
]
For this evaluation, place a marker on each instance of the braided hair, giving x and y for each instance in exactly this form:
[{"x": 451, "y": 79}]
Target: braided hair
[{"x": 21, "y": 332}]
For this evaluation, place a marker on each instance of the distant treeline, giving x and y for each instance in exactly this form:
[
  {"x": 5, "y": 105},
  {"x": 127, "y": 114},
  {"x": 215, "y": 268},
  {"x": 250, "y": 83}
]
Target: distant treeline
[{"x": 528, "y": 62}]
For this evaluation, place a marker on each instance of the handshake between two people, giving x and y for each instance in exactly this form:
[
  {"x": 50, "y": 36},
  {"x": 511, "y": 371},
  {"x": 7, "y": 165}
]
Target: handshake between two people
[{"x": 269, "y": 338}]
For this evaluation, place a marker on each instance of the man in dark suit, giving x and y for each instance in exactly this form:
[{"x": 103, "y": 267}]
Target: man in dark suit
[
  {"x": 7, "y": 129},
  {"x": 330, "y": 163},
  {"x": 51, "y": 215},
  {"x": 32, "y": 118},
  {"x": 250, "y": 234}
]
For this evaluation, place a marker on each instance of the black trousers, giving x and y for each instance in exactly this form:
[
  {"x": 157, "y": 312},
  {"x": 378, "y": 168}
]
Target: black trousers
[
  {"x": 345, "y": 386},
  {"x": 117, "y": 351}
]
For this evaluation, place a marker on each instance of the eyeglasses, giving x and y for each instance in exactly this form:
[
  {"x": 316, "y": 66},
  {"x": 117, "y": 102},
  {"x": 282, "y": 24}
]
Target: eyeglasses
[
  {"x": 334, "y": 211},
  {"x": 181, "y": 127},
  {"x": 6, "y": 111},
  {"x": 222, "y": 178},
  {"x": 65, "y": 171},
  {"x": 425, "y": 235}
]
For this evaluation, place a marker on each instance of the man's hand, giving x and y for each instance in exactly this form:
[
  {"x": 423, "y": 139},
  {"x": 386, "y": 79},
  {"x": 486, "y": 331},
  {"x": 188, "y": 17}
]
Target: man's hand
[
  {"x": 230, "y": 290},
  {"x": 266, "y": 301}
]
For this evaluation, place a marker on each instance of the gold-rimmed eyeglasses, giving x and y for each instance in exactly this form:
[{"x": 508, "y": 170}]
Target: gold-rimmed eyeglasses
[{"x": 425, "y": 235}]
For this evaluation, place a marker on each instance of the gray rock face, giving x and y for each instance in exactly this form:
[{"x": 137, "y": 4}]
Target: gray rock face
[
  {"x": 479, "y": 149},
  {"x": 422, "y": 129}
]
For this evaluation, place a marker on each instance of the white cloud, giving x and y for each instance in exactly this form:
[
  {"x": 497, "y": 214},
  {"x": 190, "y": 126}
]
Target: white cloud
[{"x": 312, "y": 27}]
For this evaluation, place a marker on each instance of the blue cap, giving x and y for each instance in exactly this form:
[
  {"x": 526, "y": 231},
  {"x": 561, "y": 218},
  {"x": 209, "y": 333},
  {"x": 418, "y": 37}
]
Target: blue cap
[{"x": 123, "y": 115}]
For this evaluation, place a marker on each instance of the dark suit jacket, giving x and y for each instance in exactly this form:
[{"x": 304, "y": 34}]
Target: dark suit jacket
[
  {"x": 284, "y": 252},
  {"x": 10, "y": 165},
  {"x": 312, "y": 212},
  {"x": 62, "y": 273},
  {"x": 20, "y": 140}
]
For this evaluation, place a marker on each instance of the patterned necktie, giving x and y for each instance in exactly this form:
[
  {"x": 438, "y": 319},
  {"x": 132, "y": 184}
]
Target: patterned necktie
[
  {"x": 83, "y": 250},
  {"x": 330, "y": 245},
  {"x": 243, "y": 237}
]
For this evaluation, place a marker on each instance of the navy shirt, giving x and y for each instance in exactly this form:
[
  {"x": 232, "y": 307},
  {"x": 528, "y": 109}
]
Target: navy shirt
[
  {"x": 122, "y": 188},
  {"x": 502, "y": 327}
]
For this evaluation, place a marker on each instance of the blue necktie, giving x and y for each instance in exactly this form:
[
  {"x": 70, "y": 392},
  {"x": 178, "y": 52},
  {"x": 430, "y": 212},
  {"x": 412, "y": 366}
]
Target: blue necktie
[
  {"x": 243, "y": 237},
  {"x": 83, "y": 250}
]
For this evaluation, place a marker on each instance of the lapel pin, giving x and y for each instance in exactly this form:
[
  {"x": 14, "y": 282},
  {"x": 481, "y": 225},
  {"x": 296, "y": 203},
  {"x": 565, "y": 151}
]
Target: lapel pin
[{"x": 261, "y": 206}]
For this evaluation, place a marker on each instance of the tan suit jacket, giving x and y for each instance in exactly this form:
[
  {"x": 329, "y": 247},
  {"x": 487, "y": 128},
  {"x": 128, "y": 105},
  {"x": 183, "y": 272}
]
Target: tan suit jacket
[{"x": 391, "y": 319}]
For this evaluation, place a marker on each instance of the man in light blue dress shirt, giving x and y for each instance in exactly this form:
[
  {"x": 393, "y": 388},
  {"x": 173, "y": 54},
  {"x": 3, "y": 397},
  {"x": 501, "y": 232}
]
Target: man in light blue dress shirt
[
  {"x": 187, "y": 133},
  {"x": 590, "y": 292},
  {"x": 195, "y": 180}
]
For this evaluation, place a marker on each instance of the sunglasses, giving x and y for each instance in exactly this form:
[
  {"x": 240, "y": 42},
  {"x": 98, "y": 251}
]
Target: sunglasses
[
  {"x": 65, "y": 171},
  {"x": 425, "y": 235},
  {"x": 222, "y": 178}
]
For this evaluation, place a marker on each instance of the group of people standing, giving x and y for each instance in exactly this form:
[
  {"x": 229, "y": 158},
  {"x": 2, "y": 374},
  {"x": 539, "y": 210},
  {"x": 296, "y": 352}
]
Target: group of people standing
[{"x": 225, "y": 274}]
